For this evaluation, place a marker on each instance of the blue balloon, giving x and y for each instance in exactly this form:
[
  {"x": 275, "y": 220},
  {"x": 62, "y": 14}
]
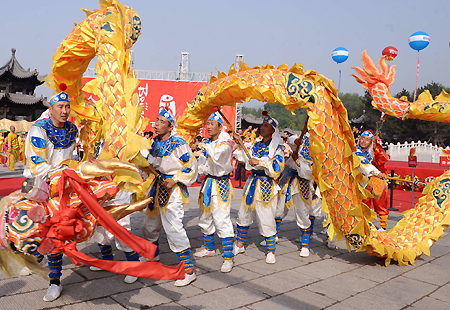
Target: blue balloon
[
  {"x": 419, "y": 40},
  {"x": 339, "y": 54}
]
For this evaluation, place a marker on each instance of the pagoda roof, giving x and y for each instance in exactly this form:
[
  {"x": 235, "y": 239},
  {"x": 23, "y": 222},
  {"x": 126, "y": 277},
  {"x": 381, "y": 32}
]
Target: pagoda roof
[
  {"x": 13, "y": 68},
  {"x": 22, "y": 99}
]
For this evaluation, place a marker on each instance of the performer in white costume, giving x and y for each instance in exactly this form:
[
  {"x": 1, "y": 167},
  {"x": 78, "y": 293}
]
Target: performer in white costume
[
  {"x": 260, "y": 191},
  {"x": 104, "y": 238},
  {"x": 216, "y": 191},
  {"x": 50, "y": 141},
  {"x": 172, "y": 157},
  {"x": 299, "y": 192}
]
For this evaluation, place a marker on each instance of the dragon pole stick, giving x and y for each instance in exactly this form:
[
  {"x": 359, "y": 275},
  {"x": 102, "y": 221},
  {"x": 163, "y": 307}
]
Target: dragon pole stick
[
  {"x": 304, "y": 130},
  {"x": 239, "y": 141}
]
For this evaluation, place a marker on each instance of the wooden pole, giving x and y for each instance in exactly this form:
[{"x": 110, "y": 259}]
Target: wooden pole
[
  {"x": 304, "y": 130},
  {"x": 231, "y": 128}
]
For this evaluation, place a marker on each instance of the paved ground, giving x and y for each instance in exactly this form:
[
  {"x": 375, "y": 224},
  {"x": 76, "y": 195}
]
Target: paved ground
[{"x": 331, "y": 279}]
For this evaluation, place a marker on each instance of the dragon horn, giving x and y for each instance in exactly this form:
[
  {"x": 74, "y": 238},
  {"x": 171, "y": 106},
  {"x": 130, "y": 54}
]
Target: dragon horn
[
  {"x": 383, "y": 66},
  {"x": 115, "y": 164},
  {"x": 93, "y": 169},
  {"x": 390, "y": 78},
  {"x": 388, "y": 73},
  {"x": 369, "y": 66},
  {"x": 360, "y": 80},
  {"x": 119, "y": 212}
]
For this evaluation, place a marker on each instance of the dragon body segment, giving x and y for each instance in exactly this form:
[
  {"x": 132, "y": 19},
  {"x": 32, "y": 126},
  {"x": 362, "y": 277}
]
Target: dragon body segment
[
  {"x": 332, "y": 146},
  {"x": 108, "y": 33}
]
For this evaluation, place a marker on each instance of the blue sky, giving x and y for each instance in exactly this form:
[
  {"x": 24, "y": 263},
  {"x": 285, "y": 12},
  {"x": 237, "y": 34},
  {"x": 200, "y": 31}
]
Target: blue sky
[{"x": 213, "y": 32}]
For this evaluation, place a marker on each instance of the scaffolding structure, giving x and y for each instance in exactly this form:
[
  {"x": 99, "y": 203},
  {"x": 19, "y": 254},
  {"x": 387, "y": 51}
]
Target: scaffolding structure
[
  {"x": 158, "y": 75},
  {"x": 239, "y": 57},
  {"x": 183, "y": 73},
  {"x": 183, "y": 70}
]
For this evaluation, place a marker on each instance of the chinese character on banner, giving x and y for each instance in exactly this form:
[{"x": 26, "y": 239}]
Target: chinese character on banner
[
  {"x": 444, "y": 161},
  {"x": 143, "y": 92}
]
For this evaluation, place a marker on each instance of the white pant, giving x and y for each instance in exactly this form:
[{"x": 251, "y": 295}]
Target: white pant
[
  {"x": 281, "y": 210},
  {"x": 304, "y": 210},
  {"x": 265, "y": 217},
  {"x": 104, "y": 237},
  {"x": 218, "y": 219},
  {"x": 172, "y": 221}
]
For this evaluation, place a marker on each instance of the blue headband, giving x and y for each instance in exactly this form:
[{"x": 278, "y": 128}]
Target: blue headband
[
  {"x": 216, "y": 116},
  {"x": 270, "y": 120},
  {"x": 60, "y": 97},
  {"x": 368, "y": 134},
  {"x": 167, "y": 115}
]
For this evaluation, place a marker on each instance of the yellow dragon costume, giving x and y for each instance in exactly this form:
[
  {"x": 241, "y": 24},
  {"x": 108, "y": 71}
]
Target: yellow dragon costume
[
  {"x": 115, "y": 119},
  {"x": 71, "y": 205},
  {"x": 332, "y": 148}
]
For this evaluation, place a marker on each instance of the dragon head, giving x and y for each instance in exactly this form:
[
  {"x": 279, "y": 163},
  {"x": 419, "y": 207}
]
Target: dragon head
[{"x": 370, "y": 75}]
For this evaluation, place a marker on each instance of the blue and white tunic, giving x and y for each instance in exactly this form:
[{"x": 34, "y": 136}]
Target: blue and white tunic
[
  {"x": 47, "y": 146},
  {"x": 173, "y": 158},
  {"x": 261, "y": 186},
  {"x": 215, "y": 163}
]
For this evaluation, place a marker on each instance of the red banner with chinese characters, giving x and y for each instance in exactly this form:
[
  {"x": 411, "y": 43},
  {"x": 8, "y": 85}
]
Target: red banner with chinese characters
[
  {"x": 171, "y": 95},
  {"x": 445, "y": 161}
]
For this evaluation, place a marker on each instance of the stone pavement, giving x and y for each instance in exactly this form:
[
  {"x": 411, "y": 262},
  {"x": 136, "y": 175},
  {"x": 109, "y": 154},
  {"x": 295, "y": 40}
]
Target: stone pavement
[{"x": 327, "y": 279}]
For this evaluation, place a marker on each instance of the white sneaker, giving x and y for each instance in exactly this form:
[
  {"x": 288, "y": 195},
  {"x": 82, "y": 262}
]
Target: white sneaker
[
  {"x": 263, "y": 243},
  {"x": 227, "y": 265},
  {"x": 304, "y": 252},
  {"x": 130, "y": 279},
  {"x": 205, "y": 253},
  {"x": 188, "y": 278},
  {"x": 25, "y": 271},
  {"x": 143, "y": 259},
  {"x": 270, "y": 258},
  {"x": 237, "y": 250},
  {"x": 324, "y": 231},
  {"x": 330, "y": 245},
  {"x": 53, "y": 292},
  {"x": 93, "y": 268},
  {"x": 381, "y": 229}
]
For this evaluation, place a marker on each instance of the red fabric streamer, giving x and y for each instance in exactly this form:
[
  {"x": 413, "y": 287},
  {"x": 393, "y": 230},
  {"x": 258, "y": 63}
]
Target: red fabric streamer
[
  {"x": 380, "y": 157},
  {"x": 417, "y": 76},
  {"x": 66, "y": 224},
  {"x": 149, "y": 270}
]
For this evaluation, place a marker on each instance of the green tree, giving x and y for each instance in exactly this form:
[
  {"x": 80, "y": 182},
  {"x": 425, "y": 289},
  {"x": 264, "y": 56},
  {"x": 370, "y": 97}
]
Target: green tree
[
  {"x": 253, "y": 111},
  {"x": 285, "y": 118},
  {"x": 353, "y": 103}
]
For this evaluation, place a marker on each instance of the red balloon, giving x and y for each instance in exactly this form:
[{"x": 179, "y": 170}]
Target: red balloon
[{"x": 389, "y": 53}]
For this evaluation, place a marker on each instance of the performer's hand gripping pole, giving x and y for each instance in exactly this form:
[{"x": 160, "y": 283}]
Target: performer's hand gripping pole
[{"x": 239, "y": 141}]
